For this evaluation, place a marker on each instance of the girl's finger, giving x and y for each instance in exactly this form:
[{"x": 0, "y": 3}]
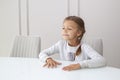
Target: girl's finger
[
  {"x": 49, "y": 65},
  {"x": 58, "y": 63},
  {"x": 45, "y": 65}
]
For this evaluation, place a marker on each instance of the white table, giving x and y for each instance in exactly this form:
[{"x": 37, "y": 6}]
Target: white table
[{"x": 31, "y": 69}]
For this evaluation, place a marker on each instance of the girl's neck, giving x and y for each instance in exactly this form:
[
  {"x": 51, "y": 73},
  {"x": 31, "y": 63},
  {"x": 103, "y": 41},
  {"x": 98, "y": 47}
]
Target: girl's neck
[{"x": 74, "y": 42}]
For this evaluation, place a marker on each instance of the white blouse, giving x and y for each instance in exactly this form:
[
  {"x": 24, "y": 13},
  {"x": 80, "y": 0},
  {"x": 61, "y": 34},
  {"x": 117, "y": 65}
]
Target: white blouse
[{"x": 88, "y": 57}]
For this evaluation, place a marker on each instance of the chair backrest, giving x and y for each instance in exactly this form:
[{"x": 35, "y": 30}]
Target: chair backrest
[
  {"x": 26, "y": 46},
  {"x": 96, "y": 44}
]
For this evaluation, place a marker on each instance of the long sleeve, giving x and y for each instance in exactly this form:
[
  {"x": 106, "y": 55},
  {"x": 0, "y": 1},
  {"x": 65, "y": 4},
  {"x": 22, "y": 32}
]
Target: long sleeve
[
  {"x": 95, "y": 59},
  {"x": 47, "y": 52}
]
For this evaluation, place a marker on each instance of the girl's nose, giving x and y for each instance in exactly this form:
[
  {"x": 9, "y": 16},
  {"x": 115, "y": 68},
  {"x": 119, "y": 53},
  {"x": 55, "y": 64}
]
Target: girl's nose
[{"x": 65, "y": 30}]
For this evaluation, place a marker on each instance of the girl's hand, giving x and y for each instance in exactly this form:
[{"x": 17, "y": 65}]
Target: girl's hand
[
  {"x": 71, "y": 67},
  {"x": 50, "y": 63}
]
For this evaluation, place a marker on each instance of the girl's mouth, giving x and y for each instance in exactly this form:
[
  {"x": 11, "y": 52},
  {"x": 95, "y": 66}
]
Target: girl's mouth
[{"x": 65, "y": 35}]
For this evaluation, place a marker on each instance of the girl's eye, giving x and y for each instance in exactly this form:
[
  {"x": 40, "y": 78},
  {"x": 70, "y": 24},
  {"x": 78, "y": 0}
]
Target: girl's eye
[
  {"x": 69, "y": 29},
  {"x": 63, "y": 28},
  {"x": 66, "y": 28}
]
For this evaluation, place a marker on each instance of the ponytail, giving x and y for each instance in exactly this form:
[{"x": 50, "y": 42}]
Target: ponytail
[{"x": 78, "y": 51}]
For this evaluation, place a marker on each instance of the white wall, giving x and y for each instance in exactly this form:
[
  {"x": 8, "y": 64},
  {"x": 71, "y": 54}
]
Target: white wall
[
  {"x": 44, "y": 18},
  {"x": 9, "y": 26}
]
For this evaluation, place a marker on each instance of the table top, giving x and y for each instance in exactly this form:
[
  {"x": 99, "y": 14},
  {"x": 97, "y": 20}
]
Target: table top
[{"x": 32, "y": 69}]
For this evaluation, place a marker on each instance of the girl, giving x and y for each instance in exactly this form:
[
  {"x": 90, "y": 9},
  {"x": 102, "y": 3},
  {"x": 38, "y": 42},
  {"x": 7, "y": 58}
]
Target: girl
[{"x": 71, "y": 48}]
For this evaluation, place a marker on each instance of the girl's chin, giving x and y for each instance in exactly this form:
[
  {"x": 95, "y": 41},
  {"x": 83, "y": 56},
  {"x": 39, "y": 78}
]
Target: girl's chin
[{"x": 65, "y": 38}]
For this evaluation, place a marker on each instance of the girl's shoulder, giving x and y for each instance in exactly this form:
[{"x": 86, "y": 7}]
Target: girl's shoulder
[
  {"x": 85, "y": 45},
  {"x": 62, "y": 42}
]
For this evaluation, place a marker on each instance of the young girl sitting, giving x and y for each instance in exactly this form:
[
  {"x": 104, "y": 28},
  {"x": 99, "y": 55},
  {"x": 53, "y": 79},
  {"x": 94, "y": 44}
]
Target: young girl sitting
[{"x": 72, "y": 49}]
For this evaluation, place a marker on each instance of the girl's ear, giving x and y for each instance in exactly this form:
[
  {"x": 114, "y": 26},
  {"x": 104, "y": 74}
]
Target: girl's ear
[{"x": 79, "y": 33}]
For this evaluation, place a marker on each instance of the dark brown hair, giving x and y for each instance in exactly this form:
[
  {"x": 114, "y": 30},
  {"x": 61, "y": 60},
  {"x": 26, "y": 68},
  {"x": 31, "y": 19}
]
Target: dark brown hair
[{"x": 81, "y": 27}]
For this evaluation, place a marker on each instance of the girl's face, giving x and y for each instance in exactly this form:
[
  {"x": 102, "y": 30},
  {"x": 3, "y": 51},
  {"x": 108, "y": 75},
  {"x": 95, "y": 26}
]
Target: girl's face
[{"x": 70, "y": 30}]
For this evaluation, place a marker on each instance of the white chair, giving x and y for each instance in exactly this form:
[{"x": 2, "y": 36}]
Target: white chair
[
  {"x": 95, "y": 43},
  {"x": 26, "y": 46}
]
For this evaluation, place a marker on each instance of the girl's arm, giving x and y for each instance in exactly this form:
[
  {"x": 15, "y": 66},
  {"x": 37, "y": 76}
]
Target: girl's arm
[
  {"x": 50, "y": 51},
  {"x": 96, "y": 60}
]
